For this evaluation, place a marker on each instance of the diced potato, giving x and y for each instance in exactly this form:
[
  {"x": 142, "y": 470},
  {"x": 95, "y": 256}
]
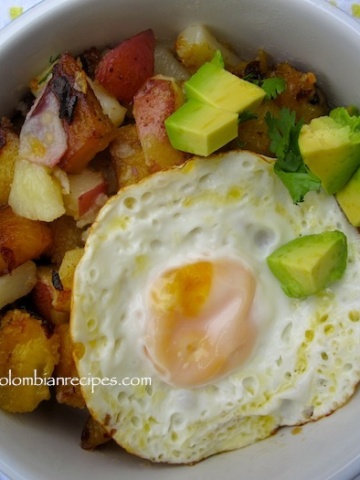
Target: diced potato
[
  {"x": 93, "y": 435},
  {"x": 196, "y": 45},
  {"x": 66, "y": 392},
  {"x": 68, "y": 266},
  {"x": 166, "y": 64},
  {"x": 127, "y": 157},
  {"x": 110, "y": 105},
  {"x": 50, "y": 298},
  {"x": 18, "y": 283},
  {"x": 102, "y": 163},
  {"x": 123, "y": 69},
  {"x": 35, "y": 193},
  {"x": 9, "y": 147},
  {"x": 66, "y": 236},
  {"x": 43, "y": 138},
  {"x": 84, "y": 191},
  {"x": 28, "y": 353},
  {"x": 156, "y": 100},
  {"x": 21, "y": 239},
  {"x": 89, "y": 130}
]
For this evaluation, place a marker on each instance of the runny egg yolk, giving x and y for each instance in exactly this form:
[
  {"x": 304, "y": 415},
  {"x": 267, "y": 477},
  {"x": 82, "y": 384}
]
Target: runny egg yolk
[{"x": 199, "y": 326}]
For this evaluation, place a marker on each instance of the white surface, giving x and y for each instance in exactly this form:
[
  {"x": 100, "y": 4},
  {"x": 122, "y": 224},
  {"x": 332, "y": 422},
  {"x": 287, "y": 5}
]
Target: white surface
[
  {"x": 308, "y": 33},
  {"x": 6, "y": 6}
]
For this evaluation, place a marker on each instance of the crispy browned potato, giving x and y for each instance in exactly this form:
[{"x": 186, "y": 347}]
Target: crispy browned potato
[
  {"x": 66, "y": 236},
  {"x": 127, "y": 157},
  {"x": 88, "y": 129},
  {"x": 9, "y": 147},
  {"x": 68, "y": 267},
  {"x": 93, "y": 435},
  {"x": 50, "y": 299},
  {"x": 28, "y": 352},
  {"x": 67, "y": 393},
  {"x": 21, "y": 239}
]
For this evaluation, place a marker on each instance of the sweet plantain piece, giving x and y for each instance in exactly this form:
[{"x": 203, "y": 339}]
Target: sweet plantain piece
[{"x": 28, "y": 354}]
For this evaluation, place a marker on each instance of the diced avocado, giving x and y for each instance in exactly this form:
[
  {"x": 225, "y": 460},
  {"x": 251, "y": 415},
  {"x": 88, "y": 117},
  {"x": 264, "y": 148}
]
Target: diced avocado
[
  {"x": 219, "y": 88},
  {"x": 349, "y": 199},
  {"x": 330, "y": 147},
  {"x": 308, "y": 264},
  {"x": 200, "y": 129}
]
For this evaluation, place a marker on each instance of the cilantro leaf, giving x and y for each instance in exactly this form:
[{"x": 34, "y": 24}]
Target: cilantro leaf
[
  {"x": 284, "y": 134},
  {"x": 273, "y": 87},
  {"x": 297, "y": 183},
  {"x": 246, "y": 115},
  {"x": 290, "y": 168}
]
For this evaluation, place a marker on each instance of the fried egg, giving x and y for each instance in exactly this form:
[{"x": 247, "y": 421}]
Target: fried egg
[{"x": 174, "y": 289}]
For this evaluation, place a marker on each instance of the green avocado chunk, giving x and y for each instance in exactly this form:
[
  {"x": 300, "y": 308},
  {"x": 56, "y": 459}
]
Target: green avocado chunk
[
  {"x": 309, "y": 264},
  {"x": 219, "y": 88},
  {"x": 200, "y": 129},
  {"x": 349, "y": 199},
  {"x": 209, "y": 118},
  {"x": 330, "y": 147}
]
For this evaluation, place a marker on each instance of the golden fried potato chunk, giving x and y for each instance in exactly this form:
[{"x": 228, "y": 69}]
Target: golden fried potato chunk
[
  {"x": 127, "y": 157},
  {"x": 21, "y": 239},
  {"x": 93, "y": 434},
  {"x": 68, "y": 267},
  {"x": 89, "y": 130},
  {"x": 67, "y": 391},
  {"x": 28, "y": 354}
]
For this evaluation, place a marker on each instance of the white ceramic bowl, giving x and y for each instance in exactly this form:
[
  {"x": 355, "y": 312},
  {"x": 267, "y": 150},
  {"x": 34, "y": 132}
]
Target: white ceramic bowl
[{"x": 308, "y": 33}]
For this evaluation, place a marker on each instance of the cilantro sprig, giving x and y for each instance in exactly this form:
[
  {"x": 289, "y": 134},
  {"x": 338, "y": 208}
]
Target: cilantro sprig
[
  {"x": 290, "y": 167},
  {"x": 273, "y": 86}
]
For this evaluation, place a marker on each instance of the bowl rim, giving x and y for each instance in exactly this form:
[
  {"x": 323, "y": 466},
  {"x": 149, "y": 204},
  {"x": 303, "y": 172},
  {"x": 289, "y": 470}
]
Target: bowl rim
[
  {"x": 44, "y": 7},
  {"x": 51, "y": 7}
]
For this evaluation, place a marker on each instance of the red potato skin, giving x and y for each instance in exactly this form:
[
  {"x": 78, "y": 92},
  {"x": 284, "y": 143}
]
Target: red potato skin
[
  {"x": 156, "y": 100},
  {"x": 124, "y": 69},
  {"x": 88, "y": 199}
]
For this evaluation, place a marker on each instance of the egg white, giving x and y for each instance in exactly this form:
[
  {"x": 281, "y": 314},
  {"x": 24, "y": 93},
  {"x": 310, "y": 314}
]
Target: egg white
[{"x": 306, "y": 360}]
